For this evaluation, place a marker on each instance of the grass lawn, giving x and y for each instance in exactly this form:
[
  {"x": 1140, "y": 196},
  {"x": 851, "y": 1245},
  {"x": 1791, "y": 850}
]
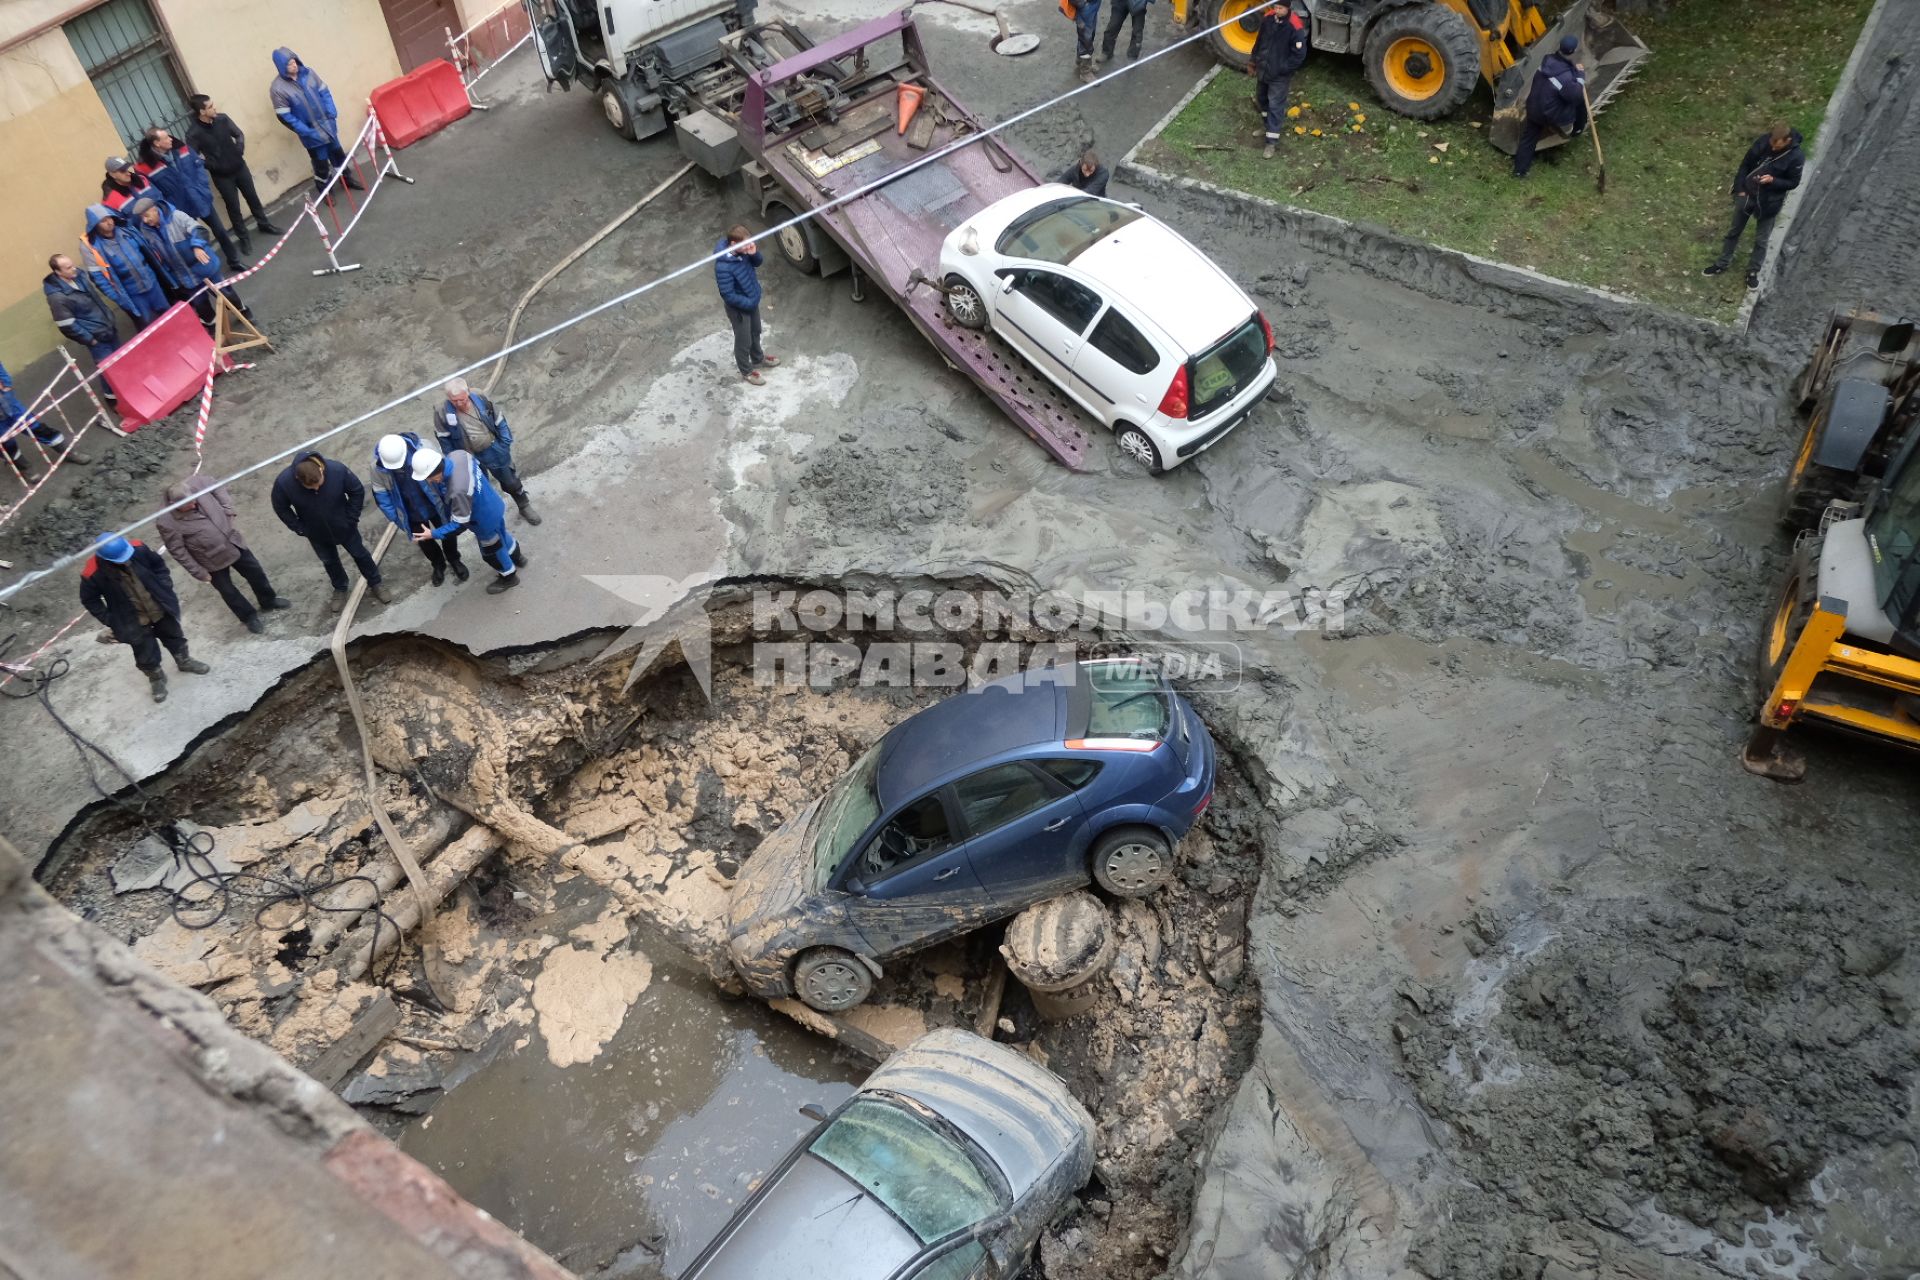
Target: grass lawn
[{"x": 1720, "y": 71}]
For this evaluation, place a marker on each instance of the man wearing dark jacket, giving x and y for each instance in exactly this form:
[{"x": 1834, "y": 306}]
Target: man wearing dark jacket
[
  {"x": 1279, "y": 50},
  {"x": 735, "y": 272},
  {"x": 1134, "y": 11},
  {"x": 1086, "y": 173},
  {"x": 320, "y": 500},
  {"x": 1557, "y": 100},
  {"x": 80, "y": 315},
  {"x": 468, "y": 420},
  {"x": 224, "y": 148},
  {"x": 126, "y": 585},
  {"x": 180, "y": 177},
  {"x": 1772, "y": 167}
]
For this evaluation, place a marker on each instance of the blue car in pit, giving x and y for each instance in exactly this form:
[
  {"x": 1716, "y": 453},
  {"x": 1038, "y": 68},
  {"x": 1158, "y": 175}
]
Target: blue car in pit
[{"x": 968, "y": 812}]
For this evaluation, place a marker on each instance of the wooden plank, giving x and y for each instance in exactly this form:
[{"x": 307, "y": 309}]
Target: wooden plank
[{"x": 373, "y": 1025}]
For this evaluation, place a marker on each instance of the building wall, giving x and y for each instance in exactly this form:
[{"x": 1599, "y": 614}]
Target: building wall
[{"x": 54, "y": 133}]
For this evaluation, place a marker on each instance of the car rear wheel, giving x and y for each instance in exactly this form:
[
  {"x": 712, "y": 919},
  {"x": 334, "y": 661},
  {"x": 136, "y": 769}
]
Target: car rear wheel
[
  {"x": 1138, "y": 445},
  {"x": 831, "y": 980},
  {"x": 1132, "y": 862},
  {"x": 965, "y": 305}
]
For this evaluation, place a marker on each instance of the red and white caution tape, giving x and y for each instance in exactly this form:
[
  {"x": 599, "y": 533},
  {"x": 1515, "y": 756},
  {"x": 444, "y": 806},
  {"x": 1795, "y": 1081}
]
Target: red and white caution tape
[{"x": 218, "y": 364}]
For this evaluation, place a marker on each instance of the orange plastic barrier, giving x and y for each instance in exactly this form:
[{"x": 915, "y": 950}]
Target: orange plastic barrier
[
  {"x": 426, "y": 99},
  {"x": 163, "y": 368}
]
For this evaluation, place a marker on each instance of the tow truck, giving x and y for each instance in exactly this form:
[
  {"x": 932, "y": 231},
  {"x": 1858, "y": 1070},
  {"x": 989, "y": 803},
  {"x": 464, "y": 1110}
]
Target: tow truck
[{"x": 807, "y": 126}]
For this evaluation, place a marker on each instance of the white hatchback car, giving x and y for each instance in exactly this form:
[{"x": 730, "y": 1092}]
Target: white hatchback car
[{"x": 1118, "y": 311}]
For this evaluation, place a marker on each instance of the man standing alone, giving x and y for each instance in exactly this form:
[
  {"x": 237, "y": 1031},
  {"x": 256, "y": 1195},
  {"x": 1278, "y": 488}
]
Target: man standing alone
[
  {"x": 305, "y": 105},
  {"x": 1279, "y": 50},
  {"x": 735, "y": 271},
  {"x": 224, "y": 148},
  {"x": 1772, "y": 167},
  {"x": 467, "y": 420},
  {"x": 126, "y": 585}
]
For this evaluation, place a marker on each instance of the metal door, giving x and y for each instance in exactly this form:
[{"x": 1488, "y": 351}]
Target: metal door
[{"x": 419, "y": 29}]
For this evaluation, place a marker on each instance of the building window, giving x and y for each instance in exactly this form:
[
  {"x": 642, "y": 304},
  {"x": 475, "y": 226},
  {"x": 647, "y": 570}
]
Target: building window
[{"x": 132, "y": 67}]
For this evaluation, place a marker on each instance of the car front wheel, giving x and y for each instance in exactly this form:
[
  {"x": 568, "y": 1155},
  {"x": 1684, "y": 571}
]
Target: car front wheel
[
  {"x": 1139, "y": 446},
  {"x": 831, "y": 980},
  {"x": 1132, "y": 862},
  {"x": 965, "y": 305}
]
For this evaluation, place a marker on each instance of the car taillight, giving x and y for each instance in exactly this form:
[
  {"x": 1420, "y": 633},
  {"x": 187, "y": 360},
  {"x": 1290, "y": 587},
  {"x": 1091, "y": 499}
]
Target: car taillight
[
  {"x": 1111, "y": 744},
  {"x": 1201, "y": 808},
  {"x": 1174, "y": 403},
  {"x": 1265, "y": 328}
]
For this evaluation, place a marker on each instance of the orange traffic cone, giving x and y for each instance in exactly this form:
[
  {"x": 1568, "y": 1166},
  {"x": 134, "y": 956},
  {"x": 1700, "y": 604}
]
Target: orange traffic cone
[{"x": 910, "y": 96}]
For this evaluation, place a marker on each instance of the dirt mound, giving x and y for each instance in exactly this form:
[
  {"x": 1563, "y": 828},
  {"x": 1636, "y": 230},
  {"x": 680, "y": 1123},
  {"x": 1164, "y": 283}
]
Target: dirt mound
[{"x": 1675, "y": 1073}]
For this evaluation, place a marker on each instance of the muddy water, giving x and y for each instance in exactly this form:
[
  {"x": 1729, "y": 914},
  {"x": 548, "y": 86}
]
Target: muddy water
[{"x": 627, "y": 1165}]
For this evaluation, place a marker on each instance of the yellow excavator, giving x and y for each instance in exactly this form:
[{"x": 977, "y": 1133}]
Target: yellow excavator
[
  {"x": 1424, "y": 57},
  {"x": 1842, "y": 646}
]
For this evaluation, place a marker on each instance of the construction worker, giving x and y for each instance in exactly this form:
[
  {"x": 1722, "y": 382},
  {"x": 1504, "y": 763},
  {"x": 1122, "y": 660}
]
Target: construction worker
[
  {"x": 224, "y": 148},
  {"x": 471, "y": 502},
  {"x": 1279, "y": 50},
  {"x": 1771, "y": 168},
  {"x": 1134, "y": 11},
  {"x": 304, "y": 104},
  {"x": 1086, "y": 25},
  {"x": 468, "y": 420},
  {"x": 202, "y": 536},
  {"x": 79, "y": 313},
  {"x": 1088, "y": 174},
  {"x": 119, "y": 268},
  {"x": 181, "y": 255},
  {"x": 320, "y": 499},
  {"x": 15, "y": 422},
  {"x": 1557, "y": 100},
  {"x": 411, "y": 506},
  {"x": 123, "y": 184},
  {"x": 180, "y": 176},
  {"x": 125, "y": 584}
]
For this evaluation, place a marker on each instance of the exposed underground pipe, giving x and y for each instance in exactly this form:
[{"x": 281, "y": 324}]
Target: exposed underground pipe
[
  {"x": 339, "y": 913},
  {"x": 455, "y": 863}
]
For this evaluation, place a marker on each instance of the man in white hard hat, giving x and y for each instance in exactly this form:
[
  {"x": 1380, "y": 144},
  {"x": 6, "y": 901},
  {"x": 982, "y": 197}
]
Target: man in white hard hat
[
  {"x": 412, "y": 507},
  {"x": 471, "y": 502}
]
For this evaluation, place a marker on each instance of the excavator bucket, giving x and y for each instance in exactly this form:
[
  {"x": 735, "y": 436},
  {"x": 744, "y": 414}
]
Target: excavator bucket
[{"x": 1610, "y": 53}]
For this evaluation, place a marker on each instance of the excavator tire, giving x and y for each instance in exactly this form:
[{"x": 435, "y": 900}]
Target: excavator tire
[
  {"x": 1781, "y": 629},
  {"x": 1232, "y": 45},
  {"x": 1423, "y": 61}
]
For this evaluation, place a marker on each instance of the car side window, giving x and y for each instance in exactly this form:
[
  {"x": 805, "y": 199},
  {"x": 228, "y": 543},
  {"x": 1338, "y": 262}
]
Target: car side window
[
  {"x": 1116, "y": 338},
  {"x": 1071, "y": 303},
  {"x": 917, "y": 831},
  {"x": 994, "y": 797},
  {"x": 962, "y": 1263},
  {"x": 1073, "y": 774}
]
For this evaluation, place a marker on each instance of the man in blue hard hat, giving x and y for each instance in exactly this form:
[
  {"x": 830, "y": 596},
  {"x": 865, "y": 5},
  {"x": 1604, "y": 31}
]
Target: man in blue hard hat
[{"x": 126, "y": 585}]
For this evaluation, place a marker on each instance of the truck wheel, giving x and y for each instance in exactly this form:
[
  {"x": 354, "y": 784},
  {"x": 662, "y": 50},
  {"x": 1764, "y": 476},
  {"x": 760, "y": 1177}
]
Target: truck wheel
[
  {"x": 1788, "y": 619},
  {"x": 964, "y": 304},
  {"x": 1809, "y": 495},
  {"x": 1232, "y": 45},
  {"x": 1131, "y": 862},
  {"x": 831, "y": 980},
  {"x": 1423, "y": 61},
  {"x": 1139, "y": 446},
  {"x": 794, "y": 245},
  {"x": 614, "y": 107}
]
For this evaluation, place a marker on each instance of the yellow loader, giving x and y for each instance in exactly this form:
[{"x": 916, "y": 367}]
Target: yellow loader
[{"x": 1424, "y": 57}]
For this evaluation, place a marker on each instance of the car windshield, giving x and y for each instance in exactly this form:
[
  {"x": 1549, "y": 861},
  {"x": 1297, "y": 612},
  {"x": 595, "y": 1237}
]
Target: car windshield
[
  {"x": 926, "y": 1179},
  {"x": 848, "y": 810},
  {"x": 1060, "y": 230},
  {"x": 1129, "y": 701},
  {"x": 1219, "y": 375}
]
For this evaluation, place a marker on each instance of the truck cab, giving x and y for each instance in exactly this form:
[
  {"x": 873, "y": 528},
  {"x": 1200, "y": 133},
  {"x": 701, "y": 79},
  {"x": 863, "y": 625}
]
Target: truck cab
[{"x": 647, "y": 61}]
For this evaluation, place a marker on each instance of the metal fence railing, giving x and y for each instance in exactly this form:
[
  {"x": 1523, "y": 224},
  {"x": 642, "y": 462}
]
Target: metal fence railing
[{"x": 485, "y": 44}]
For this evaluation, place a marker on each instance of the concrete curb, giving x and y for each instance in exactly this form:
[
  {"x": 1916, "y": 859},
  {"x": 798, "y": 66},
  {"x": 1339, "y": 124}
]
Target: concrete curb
[
  {"x": 1160, "y": 125},
  {"x": 1843, "y": 93}
]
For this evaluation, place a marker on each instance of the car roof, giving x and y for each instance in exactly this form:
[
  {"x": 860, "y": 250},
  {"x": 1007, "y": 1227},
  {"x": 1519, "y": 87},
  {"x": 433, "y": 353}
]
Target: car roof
[
  {"x": 813, "y": 1221},
  {"x": 1167, "y": 282},
  {"x": 967, "y": 730}
]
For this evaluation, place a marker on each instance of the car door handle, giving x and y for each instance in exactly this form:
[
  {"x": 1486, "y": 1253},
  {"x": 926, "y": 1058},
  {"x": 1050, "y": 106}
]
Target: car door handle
[
  {"x": 1055, "y": 825},
  {"x": 950, "y": 871}
]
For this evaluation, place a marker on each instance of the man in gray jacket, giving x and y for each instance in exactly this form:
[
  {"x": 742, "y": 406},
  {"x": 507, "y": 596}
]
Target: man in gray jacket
[{"x": 204, "y": 539}]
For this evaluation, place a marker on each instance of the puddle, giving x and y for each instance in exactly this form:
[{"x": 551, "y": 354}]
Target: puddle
[{"x": 627, "y": 1165}]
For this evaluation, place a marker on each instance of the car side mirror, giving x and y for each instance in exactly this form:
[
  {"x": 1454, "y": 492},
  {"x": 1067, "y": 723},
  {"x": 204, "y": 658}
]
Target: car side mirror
[
  {"x": 1136, "y": 208},
  {"x": 814, "y": 1112},
  {"x": 1006, "y": 283}
]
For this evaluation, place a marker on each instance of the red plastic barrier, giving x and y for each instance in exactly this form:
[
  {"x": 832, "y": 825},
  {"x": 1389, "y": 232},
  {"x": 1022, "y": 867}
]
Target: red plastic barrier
[
  {"x": 162, "y": 369},
  {"x": 426, "y": 99}
]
